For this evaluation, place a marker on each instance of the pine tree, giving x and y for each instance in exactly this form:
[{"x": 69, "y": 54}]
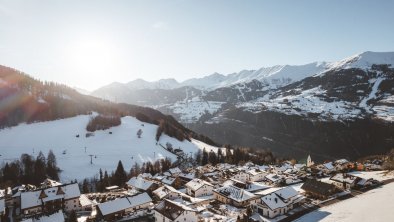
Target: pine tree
[
  {"x": 212, "y": 158},
  {"x": 52, "y": 169},
  {"x": 40, "y": 169},
  {"x": 85, "y": 186},
  {"x": 198, "y": 156},
  {"x": 120, "y": 176},
  {"x": 204, "y": 159}
]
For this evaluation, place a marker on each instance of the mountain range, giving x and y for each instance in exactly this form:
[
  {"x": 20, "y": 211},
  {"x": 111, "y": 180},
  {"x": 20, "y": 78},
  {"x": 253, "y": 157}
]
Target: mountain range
[{"x": 329, "y": 109}]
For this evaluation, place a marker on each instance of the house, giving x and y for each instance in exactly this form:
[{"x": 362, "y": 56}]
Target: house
[
  {"x": 344, "y": 181},
  {"x": 168, "y": 211},
  {"x": 167, "y": 192},
  {"x": 317, "y": 189},
  {"x": 241, "y": 176},
  {"x": 256, "y": 175},
  {"x": 235, "y": 196},
  {"x": 278, "y": 202},
  {"x": 175, "y": 171},
  {"x": 198, "y": 188},
  {"x": 51, "y": 199},
  {"x": 141, "y": 184},
  {"x": 118, "y": 208},
  {"x": 327, "y": 168},
  {"x": 273, "y": 179},
  {"x": 341, "y": 164}
]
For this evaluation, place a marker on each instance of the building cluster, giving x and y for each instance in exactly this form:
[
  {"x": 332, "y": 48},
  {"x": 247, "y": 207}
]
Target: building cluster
[{"x": 205, "y": 193}]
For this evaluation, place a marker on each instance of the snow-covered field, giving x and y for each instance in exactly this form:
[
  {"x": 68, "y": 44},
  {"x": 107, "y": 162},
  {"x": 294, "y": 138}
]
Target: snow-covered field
[
  {"x": 60, "y": 135},
  {"x": 375, "y": 205}
]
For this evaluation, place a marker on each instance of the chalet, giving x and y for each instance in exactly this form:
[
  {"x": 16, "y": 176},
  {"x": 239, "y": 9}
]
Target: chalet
[
  {"x": 51, "y": 199},
  {"x": 142, "y": 185},
  {"x": 167, "y": 192},
  {"x": 241, "y": 176},
  {"x": 278, "y": 202},
  {"x": 317, "y": 189},
  {"x": 344, "y": 181},
  {"x": 198, "y": 188},
  {"x": 235, "y": 196},
  {"x": 273, "y": 179},
  {"x": 175, "y": 171},
  {"x": 186, "y": 177},
  {"x": 256, "y": 175},
  {"x": 341, "y": 164},
  {"x": 118, "y": 208},
  {"x": 170, "y": 211},
  {"x": 327, "y": 168}
]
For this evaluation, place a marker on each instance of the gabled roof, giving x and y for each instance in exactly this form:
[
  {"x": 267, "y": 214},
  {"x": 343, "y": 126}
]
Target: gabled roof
[
  {"x": 318, "y": 187},
  {"x": 171, "y": 209},
  {"x": 196, "y": 184},
  {"x": 124, "y": 203},
  {"x": 235, "y": 193},
  {"x": 164, "y": 191},
  {"x": 140, "y": 183},
  {"x": 35, "y": 198}
]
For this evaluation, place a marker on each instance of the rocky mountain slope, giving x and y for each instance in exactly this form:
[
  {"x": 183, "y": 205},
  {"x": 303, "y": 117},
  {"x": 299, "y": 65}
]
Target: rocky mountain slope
[{"x": 326, "y": 108}]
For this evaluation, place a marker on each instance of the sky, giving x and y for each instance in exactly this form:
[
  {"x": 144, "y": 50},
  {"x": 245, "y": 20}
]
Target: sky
[{"x": 88, "y": 44}]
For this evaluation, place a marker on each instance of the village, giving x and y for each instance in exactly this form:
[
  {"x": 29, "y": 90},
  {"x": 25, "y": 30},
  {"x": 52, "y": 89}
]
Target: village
[{"x": 224, "y": 192}]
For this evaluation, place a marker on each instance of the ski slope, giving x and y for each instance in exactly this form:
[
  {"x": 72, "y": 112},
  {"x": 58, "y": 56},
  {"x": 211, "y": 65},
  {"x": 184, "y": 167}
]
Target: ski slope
[{"x": 60, "y": 135}]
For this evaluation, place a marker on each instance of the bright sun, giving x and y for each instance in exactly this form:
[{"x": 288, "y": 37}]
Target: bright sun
[{"x": 93, "y": 58}]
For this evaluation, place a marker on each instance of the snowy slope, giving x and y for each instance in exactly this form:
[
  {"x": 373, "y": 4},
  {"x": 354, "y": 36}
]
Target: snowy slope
[
  {"x": 60, "y": 135},
  {"x": 375, "y": 205}
]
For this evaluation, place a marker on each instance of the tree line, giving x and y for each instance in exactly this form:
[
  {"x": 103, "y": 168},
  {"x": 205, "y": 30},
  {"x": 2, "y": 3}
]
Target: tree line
[
  {"x": 121, "y": 176},
  {"x": 101, "y": 122},
  {"x": 29, "y": 170}
]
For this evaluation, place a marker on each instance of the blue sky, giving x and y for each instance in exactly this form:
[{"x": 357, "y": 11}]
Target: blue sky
[{"x": 92, "y": 43}]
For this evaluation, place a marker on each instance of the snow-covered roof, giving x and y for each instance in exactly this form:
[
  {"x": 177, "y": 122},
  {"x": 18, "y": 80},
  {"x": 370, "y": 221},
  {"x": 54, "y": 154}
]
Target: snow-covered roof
[
  {"x": 140, "y": 183},
  {"x": 196, "y": 184},
  {"x": 273, "y": 177},
  {"x": 175, "y": 170},
  {"x": 273, "y": 201},
  {"x": 280, "y": 198},
  {"x": 235, "y": 193},
  {"x": 164, "y": 191},
  {"x": 168, "y": 180},
  {"x": 339, "y": 177},
  {"x": 85, "y": 201},
  {"x": 124, "y": 203},
  {"x": 286, "y": 193},
  {"x": 172, "y": 209},
  {"x": 341, "y": 161},
  {"x": 329, "y": 166},
  {"x": 31, "y": 199}
]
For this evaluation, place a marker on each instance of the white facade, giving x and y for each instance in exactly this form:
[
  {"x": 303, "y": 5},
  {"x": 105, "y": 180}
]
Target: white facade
[{"x": 199, "y": 188}]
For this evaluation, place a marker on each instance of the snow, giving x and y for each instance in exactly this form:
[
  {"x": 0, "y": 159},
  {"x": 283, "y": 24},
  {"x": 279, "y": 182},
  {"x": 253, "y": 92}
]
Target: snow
[
  {"x": 371, "y": 95},
  {"x": 364, "y": 60},
  {"x": 376, "y": 175},
  {"x": 306, "y": 101},
  {"x": 375, "y": 205},
  {"x": 123, "y": 203},
  {"x": 107, "y": 149},
  {"x": 191, "y": 110},
  {"x": 58, "y": 217}
]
